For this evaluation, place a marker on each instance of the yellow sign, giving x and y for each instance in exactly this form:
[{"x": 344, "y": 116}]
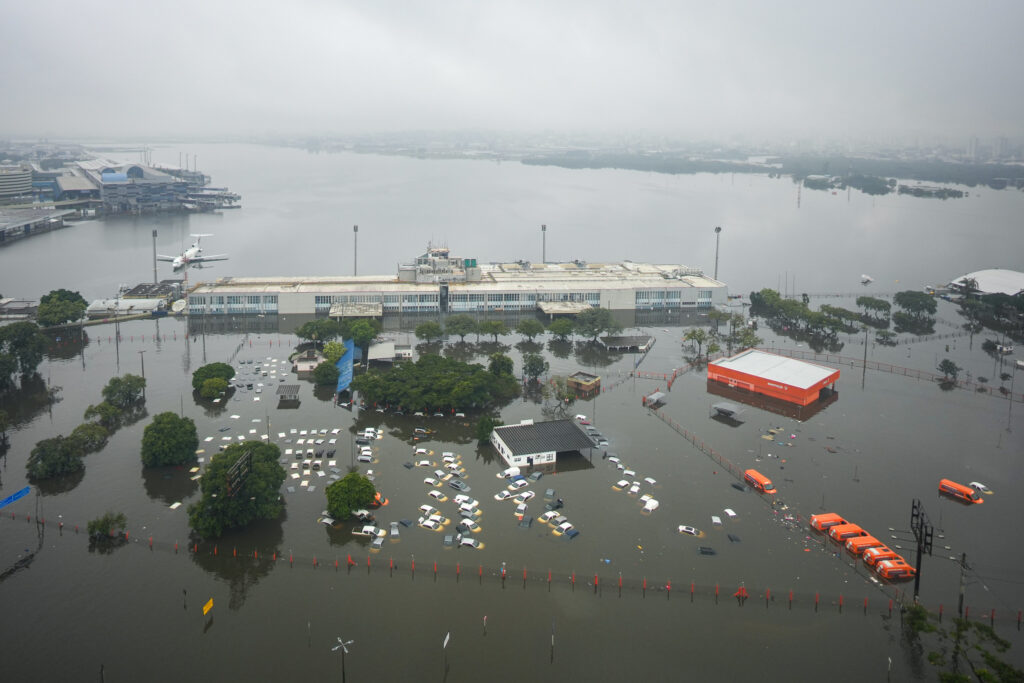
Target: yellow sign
[{"x": 207, "y": 607}]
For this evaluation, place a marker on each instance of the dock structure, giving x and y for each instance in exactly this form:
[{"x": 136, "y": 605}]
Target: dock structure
[
  {"x": 435, "y": 282},
  {"x": 16, "y": 224}
]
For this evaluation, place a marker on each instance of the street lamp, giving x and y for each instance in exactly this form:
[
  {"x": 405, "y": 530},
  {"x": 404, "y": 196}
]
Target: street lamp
[
  {"x": 343, "y": 646},
  {"x": 718, "y": 232}
]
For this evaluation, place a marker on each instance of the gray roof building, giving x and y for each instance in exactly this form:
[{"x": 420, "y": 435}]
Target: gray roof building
[{"x": 538, "y": 443}]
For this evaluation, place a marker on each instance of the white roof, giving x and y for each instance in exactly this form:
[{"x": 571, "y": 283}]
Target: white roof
[
  {"x": 995, "y": 281},
  {"x": 796, "y": 373}
]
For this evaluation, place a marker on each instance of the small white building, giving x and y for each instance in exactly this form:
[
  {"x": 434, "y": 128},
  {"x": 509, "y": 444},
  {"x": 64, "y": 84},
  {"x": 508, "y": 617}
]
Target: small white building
[
  {"x": 111, "y": 308},
  {"x": 529, "y": 443}
]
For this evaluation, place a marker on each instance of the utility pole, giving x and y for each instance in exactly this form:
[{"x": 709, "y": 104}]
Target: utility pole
[
  {"x": 718, "y": 232},
  {"x": 543, "y": 244},
  {"x": 142, "y": 359},
  {"x": 154, "y": 256},
  {"x": 923, "y": 532},
  {"x": 960, "y": 600},
  {"x": 355, "y": 250}
]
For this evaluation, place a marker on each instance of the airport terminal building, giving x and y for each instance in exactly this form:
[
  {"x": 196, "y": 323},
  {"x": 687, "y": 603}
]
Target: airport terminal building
[{"x": 437, "y": 283}]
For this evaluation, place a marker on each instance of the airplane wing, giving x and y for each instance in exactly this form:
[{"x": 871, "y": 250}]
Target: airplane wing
[
  {"x": 204, "y": 259},
  {"x": 161, "y": 257}
]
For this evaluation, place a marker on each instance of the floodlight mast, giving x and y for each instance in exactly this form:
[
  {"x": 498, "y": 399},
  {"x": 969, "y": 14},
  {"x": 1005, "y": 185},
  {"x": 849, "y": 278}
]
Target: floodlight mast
[{"x": 343, "y": 646}]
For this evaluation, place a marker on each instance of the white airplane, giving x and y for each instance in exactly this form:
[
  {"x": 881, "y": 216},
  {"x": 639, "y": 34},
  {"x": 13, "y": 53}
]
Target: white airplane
[
  {"x": 192, "y": 256},
  {"x": 866, "y": 279}
]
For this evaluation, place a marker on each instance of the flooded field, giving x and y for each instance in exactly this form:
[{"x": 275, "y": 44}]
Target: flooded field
[{"x": 280, "y": 601}]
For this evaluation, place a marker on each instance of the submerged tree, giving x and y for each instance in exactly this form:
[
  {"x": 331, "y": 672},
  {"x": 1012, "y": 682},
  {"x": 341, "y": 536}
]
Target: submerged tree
[
  {"x": 351, "y": 492},
  {"x": 258, "y": 495},
  {"x": 169, "y": 440}
]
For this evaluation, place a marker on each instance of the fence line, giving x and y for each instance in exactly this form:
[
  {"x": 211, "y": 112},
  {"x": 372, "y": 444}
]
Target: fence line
[
  {"x": 890, "y": 368},
  {"x": 601, "y": 584}
]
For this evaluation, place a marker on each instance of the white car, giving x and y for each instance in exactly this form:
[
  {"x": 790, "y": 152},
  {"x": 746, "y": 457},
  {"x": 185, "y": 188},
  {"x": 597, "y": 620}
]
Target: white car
[
  {"x": 469, "y": 508},
  {"x": 524, "y": 496},
  {"x": 427, "y": 510},
  {"x": 621, "y": 484},
  {"x": 471, "y": 543},
  {"x": 439, "y": 518},
  {"x": 364, "y": 457},
  {"x": 469, "y": 525},
  {"x": 517, "y": 484},
  {"x": 431, "y": 481},
  {"x": 520, "y": 509},
  {"x": 437, "y": 495},
  {"x": 563, "y": 527},
  {"x": 463, "y": 499},
  {"x": 448, "y": 458},
  {"x": 635, "y": 488},
  {"x": 502, "y": 495},
  {"x": 683, "y": 529},
  {"x": 420, "y": 451},
  {"x": 369, "y": 530},
  {"x": 423, "y": 463},
  {"x": 429, "y": 524},
  {"x": 548, "y": 516}
]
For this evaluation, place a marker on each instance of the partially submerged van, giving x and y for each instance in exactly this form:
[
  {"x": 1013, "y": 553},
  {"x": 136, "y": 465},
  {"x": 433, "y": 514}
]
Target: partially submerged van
[
  {"x": 965, "y": 494},
  {"x": 858, "y": 544},
  {"x": 759, "y": 481},
  {"x": 894, "y": 569},
  {"x": 827, "y": 520},
  {"x": 873, "y": 556},
  {"x": 844, "y": 532}
]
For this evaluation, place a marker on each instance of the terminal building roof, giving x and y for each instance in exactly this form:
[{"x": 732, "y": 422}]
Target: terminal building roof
[{"x": 994, "y": 281}]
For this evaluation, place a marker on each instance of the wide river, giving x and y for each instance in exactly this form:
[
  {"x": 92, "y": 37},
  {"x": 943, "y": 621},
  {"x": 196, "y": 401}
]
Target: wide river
[{"x": 280, "y": 602}]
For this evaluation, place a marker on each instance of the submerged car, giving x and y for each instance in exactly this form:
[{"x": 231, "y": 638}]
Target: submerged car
[
  {"x": 683, "y": 529},
  {"x": 502, "y": 495}
]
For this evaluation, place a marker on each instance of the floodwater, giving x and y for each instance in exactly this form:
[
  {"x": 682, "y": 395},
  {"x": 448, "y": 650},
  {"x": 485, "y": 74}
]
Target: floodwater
[{"x": 137, "y": 611}]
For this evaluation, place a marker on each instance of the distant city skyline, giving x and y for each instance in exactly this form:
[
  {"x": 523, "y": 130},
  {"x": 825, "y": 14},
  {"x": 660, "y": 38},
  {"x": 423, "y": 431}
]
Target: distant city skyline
[{"x": 755, "y": 71}]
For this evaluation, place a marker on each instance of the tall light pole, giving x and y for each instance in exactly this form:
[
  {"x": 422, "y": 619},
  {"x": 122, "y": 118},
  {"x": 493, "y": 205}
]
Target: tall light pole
[
  {"x": 154, "y": 256},
  {"x": 355, "y": 250},
  {"x": 142, "y": 359},
  {"x": 343, "y": 646},
  {"x": 543, "y": 244},
  {"x": 718, "y": 232}
]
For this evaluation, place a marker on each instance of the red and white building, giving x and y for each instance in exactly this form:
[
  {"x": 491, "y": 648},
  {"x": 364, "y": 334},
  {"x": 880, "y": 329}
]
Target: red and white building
[{"x": 794, "y": 381}]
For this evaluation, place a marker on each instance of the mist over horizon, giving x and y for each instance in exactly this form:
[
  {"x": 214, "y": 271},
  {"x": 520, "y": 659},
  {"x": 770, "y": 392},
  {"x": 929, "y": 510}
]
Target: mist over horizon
[{"x": 742, "y": 71}]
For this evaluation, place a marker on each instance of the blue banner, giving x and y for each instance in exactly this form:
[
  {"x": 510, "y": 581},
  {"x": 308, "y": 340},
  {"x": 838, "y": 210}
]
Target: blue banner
[
  {"x": 15, "y": 496},
  {"x": 345, "y": 366}
]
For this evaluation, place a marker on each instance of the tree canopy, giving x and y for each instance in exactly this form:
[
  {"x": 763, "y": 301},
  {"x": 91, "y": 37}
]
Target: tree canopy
[
  {"x": 24, "y": 344},
  {"x": 333, "y": 351},
  {"x": 594, "y": 321},
  {"x": 258, "y": 497},
  {"x": 916, "y": 303},
  {"x": 530, "y": 328},
  {"x": 361, "y": 331},
  {"x": 435, "y": 383},
  {"x": 562, "y": 328},
  {"x": 351, "y": 492},
  {"x": 319, "y": 330},
  {"x": 495, "y": 328},
  {"x": 213, "y": 387},
  {"x": 219, "y": 370},
  {"x": 484, "y": 426},
  {"x": 428, "y": 331},
  {"x": 169, "y": 440},
  {"x": 110, "y": 524},
  {"x": 460, "y": 325},
  {"x": 326, "y": 373},
  {"x": 124, "y": 392},
  {"x": 60, "y": 306},
  {"x": 54, "y": 457},
  {"x": 534, "y": 365}
]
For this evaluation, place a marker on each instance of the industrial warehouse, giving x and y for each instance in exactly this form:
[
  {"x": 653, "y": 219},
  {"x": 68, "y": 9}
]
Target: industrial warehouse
[
  {"x": 790, "y": 380},
  {"x": 435, "y": 282}
]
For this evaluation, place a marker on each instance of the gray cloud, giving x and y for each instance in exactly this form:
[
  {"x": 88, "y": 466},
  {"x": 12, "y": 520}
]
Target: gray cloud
[{"x": 678, "y": 68}]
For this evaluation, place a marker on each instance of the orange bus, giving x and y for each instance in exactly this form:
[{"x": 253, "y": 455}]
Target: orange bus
[
  {"x": 873, "y": 556},
  {"x": 759, "y": 481},
  {"x": 826, "y": 520},
  {"x": 894, "y": 569},
  {"x": 962, "y": 493},
  {"x": 858, "y": 544},
  {"x": 844, "y": 532}
]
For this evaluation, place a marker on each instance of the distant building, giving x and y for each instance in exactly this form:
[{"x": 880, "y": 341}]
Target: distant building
[
  {"x": 438, "y": 283},
  {"x": 992, "y": 281},
  {"x": 16, "y": 181}
]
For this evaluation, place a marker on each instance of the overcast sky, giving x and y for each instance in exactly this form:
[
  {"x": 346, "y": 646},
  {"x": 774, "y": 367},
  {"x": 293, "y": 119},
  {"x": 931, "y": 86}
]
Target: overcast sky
[{"x": 758, "y": 69}]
